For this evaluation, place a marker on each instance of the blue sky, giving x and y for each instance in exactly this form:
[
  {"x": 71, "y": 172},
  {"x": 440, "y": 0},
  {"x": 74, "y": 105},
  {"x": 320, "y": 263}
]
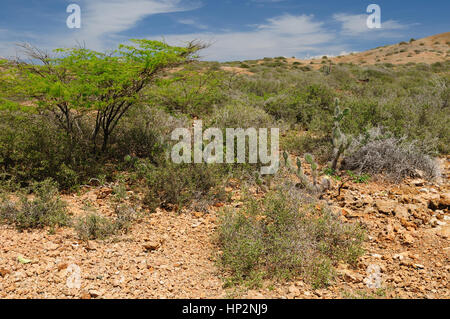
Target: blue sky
[{"x": 237, "y": 29}]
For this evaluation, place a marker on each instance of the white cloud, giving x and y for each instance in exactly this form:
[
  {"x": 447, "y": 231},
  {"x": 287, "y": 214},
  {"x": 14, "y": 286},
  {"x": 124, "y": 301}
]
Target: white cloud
[
  {"x": 104, "y": 23},
  {"x": 193, "y": 23},
  {"x": 356, "y": 25},
  {"x": 284, "y": 35},
  {"x": 101, "y": 22}
]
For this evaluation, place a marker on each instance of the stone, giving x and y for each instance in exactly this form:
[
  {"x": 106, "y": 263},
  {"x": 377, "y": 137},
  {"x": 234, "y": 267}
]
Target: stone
[
  {"x": 51, "y": 246},
  {"x": 4, "y": 272},
  {"x": 85, "y": 295},
  {"x": 62, "y": 266},
  {"x": 91, "y": 245},
  {"x": 444, "y": 201},
  {"x": 151, "y": 246},
  {"x": 433, "y": 201},
  {"x": 294, "y": 291},
  {"x": 418, "y": 182},
  {"x": 408, "y": 239},
  {"x": 444, "y": 231},
  {"x": 94, "y": 293},
  {"x": 384, "y": 206},
  {"x": 401, "y": 211}
]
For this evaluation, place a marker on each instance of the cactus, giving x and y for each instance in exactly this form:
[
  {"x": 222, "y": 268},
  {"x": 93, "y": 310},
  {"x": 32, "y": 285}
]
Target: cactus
[
  {"x": 327, "y": 69},
  {"x": 341, "y": 142},
  {"x": 313, "y": 186},
  {"x": 286, "y": 158}
]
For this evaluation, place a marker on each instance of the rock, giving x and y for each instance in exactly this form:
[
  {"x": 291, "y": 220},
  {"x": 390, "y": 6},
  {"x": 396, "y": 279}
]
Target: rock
[
  {"x": 401, "y": 211},
  {"x": 4, "y": 272},
  {"x": 91, "y": 245},
  {"x": 62, "y": 266},
  {"x": 151, "y": 246},
  {"x": 408, "y": 239},
  {"x": 418, "y": 182},
  {"x": 444, "y": 231},
  {"x": 367, "y": 200},
  {"x": 85, "y": 296},
  {"x": 294, "y": 291},
  {"x": 94, "y": 293},
  {"x": 399, "y": 256},
  {"x": 350, "y": 276},
  {"x": 51, "y": 246},
  {"x": 384, "y": 206},
  {"x": 419, "y": 266},
  {"x": 433, "y": 201},
  {"x": 444, "y": 202}
]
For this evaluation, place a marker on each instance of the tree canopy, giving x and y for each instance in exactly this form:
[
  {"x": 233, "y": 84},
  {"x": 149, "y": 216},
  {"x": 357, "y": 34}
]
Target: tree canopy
[{"x": 79, "y": 80}]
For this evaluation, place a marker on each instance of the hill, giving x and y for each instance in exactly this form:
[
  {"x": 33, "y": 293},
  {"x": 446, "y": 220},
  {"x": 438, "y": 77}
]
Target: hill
[{"x": 428, "y": 50}]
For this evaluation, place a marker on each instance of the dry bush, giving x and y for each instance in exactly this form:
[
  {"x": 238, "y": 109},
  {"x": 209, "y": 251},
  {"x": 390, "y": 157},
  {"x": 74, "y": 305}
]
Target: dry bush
[{"x": 378, "y": 153}]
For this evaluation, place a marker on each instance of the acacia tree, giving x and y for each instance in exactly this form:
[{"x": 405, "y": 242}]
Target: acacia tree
[{"x": 106, "y": 85}]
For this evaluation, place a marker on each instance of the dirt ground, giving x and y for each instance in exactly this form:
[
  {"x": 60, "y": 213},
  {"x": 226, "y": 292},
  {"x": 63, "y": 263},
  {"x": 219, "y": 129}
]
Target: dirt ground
[{"x": 170, "y": 255}]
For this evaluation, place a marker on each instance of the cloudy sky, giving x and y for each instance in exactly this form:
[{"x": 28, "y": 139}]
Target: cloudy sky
[{"x": 236, "y": 29}]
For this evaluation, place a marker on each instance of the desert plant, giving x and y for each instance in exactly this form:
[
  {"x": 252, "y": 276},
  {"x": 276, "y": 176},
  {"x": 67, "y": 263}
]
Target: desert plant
[
  {"x": 312, "y": 186},
  {"x": 45, "y": 209},
  {"x": 178, "y": 185},
  {"x": 284, "y": 235},
  {"x": 376, "y": 152},
  {"x": 93, "y": 226},
  {"x": 340, "y": 141}
]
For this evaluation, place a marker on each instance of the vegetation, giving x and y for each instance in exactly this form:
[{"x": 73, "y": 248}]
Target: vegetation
[
  {"x": 285, "y": 235},
  {"x": 83, "y": 118},
  {"x": 44, "y": 210}
]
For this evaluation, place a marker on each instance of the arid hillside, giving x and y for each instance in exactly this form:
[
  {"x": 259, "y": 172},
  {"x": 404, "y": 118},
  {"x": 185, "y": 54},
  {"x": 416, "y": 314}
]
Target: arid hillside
[{"x": 428, "y": 50}]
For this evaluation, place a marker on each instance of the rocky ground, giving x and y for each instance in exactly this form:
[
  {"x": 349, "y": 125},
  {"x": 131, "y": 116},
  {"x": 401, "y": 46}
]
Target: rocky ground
[{"x": 169, "y": 255}]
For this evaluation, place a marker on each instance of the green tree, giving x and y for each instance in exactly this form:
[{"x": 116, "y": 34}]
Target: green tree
[{"x": 79, "y": 81}]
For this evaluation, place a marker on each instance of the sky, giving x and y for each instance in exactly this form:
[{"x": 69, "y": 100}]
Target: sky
[{"x": 235, "y": 29}]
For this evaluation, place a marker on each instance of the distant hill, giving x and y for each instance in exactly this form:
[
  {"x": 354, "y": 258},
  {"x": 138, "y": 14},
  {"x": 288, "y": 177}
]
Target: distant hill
[{"x": 428, "y": 50}]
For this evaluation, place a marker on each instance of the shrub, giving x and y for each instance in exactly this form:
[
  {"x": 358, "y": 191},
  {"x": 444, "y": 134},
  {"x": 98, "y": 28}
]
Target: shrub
[
  {"x": 298, "y": 144},
  {"x": 144, "y": 133},
  {"x": 45, "y": 209},
  {"x": 178, "y": 185},
  {"x": 285, "y": 235},
  {"x": 240, "y": 115},
  {"x": 378, "y": 153},
  {"x": 125, "y": 216},
  {"x": 32, "y": 147},
  {"x": 93, "y": 226}
]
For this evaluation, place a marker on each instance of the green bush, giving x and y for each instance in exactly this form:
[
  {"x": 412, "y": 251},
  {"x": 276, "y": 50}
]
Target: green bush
[
  {"x": 44, "y": 210},
  {"x": 285, "y": 235},
  {"x": 299, "y": 144},
  {"x": 240, "y": 115},
  {"x": 178, "y": 185},
  {"x": 93, "y": 226},
  {"x": 32, "y": 147}
]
